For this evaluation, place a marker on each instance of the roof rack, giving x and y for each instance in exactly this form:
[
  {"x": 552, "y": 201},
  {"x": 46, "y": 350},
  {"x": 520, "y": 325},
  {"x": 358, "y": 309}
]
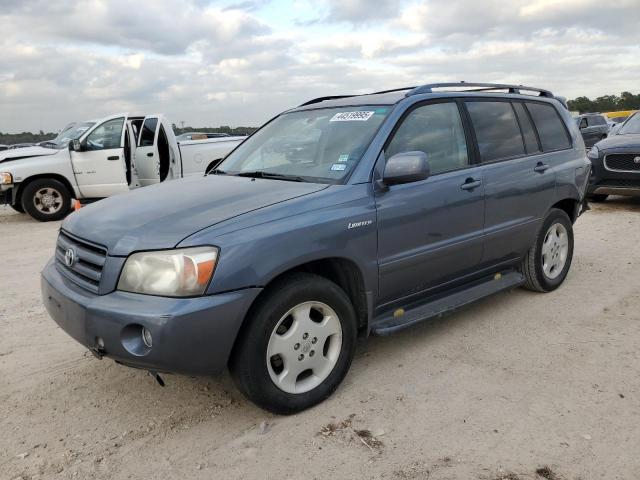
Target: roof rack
[
  {"x": 481, "y": 87},
  {"x": 336, "y": 97}
]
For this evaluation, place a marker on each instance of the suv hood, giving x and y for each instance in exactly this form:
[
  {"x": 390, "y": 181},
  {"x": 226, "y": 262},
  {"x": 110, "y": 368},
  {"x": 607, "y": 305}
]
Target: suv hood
[
  {"x": 26, "y": 152},
  {"x": 620, "y": 141},
  {"x": 160, "y": 216}
]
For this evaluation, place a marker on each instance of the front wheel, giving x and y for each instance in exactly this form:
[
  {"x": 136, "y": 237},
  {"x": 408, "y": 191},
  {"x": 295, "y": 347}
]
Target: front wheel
[
  {"x": 46, "y": 199},
  {"x": 297, "y": 346},
  {"x": 547, "y": 263}
]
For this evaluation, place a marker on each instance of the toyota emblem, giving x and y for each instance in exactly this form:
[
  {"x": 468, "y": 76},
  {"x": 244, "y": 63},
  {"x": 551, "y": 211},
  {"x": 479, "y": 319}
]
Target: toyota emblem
[
  {"x": 69, "y": 257},
  {"x": 636, "y": 160}
]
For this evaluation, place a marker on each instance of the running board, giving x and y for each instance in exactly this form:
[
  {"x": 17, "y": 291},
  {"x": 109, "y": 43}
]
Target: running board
[{"x": 398, "y": 319}]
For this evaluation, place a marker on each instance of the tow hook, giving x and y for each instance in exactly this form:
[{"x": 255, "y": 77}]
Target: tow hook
[
  {"x": 157, "y": 376},
  {"x": 98, "y": 350}
]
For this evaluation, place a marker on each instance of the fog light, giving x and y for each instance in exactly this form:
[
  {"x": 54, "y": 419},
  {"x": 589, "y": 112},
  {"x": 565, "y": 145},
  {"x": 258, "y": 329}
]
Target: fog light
[{"x": 146, "y": 337}]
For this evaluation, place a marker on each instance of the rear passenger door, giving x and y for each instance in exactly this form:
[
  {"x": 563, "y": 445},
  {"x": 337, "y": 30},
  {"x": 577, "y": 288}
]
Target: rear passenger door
[
  {"x": 147, "y": 159},
  {"x": 430, "y": 232},
  {"x": 519, "y": 182}
]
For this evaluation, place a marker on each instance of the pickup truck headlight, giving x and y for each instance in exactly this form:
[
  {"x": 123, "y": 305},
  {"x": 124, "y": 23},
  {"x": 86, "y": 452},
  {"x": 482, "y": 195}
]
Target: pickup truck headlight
[
  {"x": 6, "y": 178},
  {"x": 183, "y": 272},
  {"x": 593, "y": 153}
]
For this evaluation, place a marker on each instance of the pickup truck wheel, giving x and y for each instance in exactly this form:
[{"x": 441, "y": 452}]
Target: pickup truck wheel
[
  {"x": 46, "y": 199},
  {"x": 598, "y": 197},
  {"x": 548, "y": 261},
  {"x": 297, "y": 346}
]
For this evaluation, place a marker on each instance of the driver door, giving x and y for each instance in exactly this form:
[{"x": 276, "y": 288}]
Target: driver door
[
  {"x": 99, "y": 167},
  {"x": 146, "y": 157}
]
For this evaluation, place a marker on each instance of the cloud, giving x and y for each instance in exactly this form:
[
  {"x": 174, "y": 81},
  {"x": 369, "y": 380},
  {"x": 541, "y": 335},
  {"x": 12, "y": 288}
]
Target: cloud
[{"x": 241, "y": 62}]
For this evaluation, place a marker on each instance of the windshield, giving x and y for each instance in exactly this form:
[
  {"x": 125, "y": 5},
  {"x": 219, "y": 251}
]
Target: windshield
[
  {"x": 68, "y": 133},
  {"x": 320, "y": 146},
  {"x": 631, "y": 126}
]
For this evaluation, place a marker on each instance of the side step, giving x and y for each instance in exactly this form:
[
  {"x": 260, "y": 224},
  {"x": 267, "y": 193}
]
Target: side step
[{"x": 389, "y": 323}]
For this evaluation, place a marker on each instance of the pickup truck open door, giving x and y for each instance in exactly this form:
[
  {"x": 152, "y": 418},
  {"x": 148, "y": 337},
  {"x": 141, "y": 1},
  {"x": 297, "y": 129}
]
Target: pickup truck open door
[
  {"x": 156, "y": 158},
  {"x": 99, "y": 167}
]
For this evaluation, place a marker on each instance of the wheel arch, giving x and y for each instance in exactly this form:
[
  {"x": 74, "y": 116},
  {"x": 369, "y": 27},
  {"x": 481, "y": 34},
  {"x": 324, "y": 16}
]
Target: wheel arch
[
  {"x": 570, "y": 206},
  {"x": 54, "y": 176}
]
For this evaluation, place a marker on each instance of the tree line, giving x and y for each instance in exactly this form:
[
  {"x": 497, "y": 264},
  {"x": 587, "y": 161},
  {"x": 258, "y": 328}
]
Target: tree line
[
  {"x": 31, "y": 137},
  {"x": 606, "y": 103}
]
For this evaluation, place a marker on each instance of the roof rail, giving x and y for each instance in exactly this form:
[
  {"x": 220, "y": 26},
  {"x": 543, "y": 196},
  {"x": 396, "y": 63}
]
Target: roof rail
[
  {"x": 481, "y": 87},
  {"x": 322, "y": 99}
]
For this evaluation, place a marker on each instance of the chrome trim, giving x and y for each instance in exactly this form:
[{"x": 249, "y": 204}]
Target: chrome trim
[
  {"x": 624, "y": 191},
  {"x": 606, "y": 167}
]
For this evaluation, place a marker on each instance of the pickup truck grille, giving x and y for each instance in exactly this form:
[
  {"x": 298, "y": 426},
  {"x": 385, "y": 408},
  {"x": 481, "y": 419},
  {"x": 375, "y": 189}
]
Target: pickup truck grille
[
  {"x": 85, "y": 268},
  {"x": 622, "y": 162}
]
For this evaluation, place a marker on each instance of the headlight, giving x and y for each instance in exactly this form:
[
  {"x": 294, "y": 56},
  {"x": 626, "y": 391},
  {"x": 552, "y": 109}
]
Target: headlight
[
  {"x": 6, "y": 178},
  {"x": 182, "y": 272},
  {"x": 594, "y": 153}
]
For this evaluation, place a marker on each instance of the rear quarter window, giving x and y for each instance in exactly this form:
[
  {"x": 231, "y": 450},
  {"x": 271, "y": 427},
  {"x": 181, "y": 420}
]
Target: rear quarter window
[
  {"x": 497, "y": 130},
  {"x": 551, "y": 129}
]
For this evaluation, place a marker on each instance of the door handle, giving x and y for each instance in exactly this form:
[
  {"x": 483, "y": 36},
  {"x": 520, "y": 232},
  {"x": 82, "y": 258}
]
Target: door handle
[
  {"x": 115, "y": 157},
  {"x": 150, "y": 154},
  {"x": 541, "y": 167},
  {"x": 470, "y": 184}
]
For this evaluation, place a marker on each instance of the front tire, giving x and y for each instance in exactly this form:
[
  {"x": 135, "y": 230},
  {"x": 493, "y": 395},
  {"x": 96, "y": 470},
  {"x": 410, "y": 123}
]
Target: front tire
[
  {"x": 548, "y": 261},
  {"x": 297, "y": 344},
  {"x": 46, "y": 199}
]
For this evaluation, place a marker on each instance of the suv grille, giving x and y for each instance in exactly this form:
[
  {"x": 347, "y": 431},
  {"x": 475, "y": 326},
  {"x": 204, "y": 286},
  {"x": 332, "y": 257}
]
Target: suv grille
[
  {"x": 623, "y": 162},
  {"x": 88, "y": 260}
]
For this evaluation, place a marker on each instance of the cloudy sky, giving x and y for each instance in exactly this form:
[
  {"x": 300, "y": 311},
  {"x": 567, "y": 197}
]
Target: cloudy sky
[{"x": 240, "y": 62}]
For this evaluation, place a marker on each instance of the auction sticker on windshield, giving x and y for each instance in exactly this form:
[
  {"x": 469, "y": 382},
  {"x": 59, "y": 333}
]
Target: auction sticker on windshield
[{"x": 351, "y": 117}]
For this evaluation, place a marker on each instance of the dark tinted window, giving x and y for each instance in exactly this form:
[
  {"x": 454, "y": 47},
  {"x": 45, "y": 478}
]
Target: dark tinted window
[
  {"x": 148, "y": 132},
  {"x": 497, "y": 130},
  {"x": 596, "y": 120},
  {"x": 530, "y": 140},
  {"x": 551, "y": 129},
  {"x": 436, "y": 130}
]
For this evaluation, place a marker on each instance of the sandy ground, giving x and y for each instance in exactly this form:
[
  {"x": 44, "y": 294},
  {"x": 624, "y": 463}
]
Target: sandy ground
[{"x": 515, "y": 383}]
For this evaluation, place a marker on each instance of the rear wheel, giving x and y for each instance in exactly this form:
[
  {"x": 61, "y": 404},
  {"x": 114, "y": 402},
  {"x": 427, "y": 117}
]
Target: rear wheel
[
  {"x": 46, "y": 199},
  {"x": 548, "y": 261},
  {"x": 598, "y": 197},
  {"x": 297, "y": 346}
]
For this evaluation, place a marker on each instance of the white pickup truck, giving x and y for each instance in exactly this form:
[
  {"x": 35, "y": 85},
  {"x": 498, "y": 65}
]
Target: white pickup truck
[{"x": 97, "y": 159}]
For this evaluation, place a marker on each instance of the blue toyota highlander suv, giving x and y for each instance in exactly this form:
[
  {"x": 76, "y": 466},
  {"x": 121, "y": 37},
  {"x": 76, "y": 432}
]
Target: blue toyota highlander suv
[{"x": 343, "y": 217}]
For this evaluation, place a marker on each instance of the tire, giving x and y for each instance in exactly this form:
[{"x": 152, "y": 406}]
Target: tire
[
  {"x": 18, "y": 207},
  {"x": 46, "y": 199},
  {"x": 256, "y": 367},
  {"x": 598, "y": 197},
  {"x": 548, "y": 260}
]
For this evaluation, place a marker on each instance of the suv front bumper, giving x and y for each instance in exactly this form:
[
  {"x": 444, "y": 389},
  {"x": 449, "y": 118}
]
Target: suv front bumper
[{"x": 190, "y": 335}]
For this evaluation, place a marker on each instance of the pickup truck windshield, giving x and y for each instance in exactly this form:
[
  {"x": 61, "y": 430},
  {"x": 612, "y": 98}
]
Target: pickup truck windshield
[
  {"x": 68, "y": 133},
  {"x": 321, "y": 146},
  {"x": 631, "y": 126}
]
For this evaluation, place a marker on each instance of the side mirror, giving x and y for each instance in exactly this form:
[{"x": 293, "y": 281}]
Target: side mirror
[
  {"x": 406, "y": 167},
  {"x": 75, "y": 145}
]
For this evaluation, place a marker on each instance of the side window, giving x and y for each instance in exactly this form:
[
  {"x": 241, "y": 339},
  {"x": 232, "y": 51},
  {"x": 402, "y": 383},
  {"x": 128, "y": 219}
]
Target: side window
[
  {"x": 497, "y": 130},
  {"x": 436, "y": 130},
  {"x": 529, "y": 134},
  {"x": 551, "y": 130},
  {"x": 583, "y": 123},
  {"x": 106, "y": 136},
  {"x": 596, "y": 120},
  {"x": 148, "y": 132}
]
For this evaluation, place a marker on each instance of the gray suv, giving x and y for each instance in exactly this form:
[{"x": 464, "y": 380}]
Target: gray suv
[
  {"x": 343, "y": 217},
  {"x": 593, "y": 127}
]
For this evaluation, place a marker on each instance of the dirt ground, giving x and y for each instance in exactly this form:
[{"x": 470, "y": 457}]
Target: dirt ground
[{"x": 519, "y": 383}]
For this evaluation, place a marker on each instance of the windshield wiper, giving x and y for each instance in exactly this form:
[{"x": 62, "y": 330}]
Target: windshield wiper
[
  {"x": 270, "y": 175},
  {"x": 217, "y": 171}
]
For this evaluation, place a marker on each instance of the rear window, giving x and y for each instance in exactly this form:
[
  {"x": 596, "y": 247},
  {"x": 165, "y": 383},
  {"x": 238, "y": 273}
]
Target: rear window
[
  {"x": 596, "y": 120},
  {"x": 497, "y": 130},
  {"x": 551, "y": 130}
]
